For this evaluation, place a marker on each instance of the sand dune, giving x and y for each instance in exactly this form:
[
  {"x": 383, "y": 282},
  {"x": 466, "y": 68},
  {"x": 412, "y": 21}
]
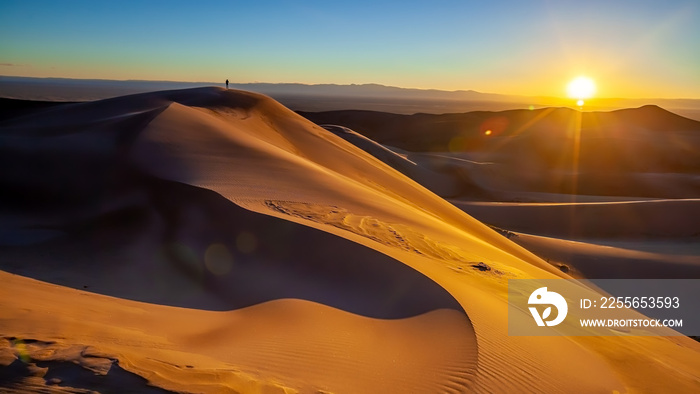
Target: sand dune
[
  {"x": 623, "y": 176},
  {"x": 205, "y": 239},
  {"x": 614, "y": 239},
  {"x": 285, "y": 345},
  {"x": 466, "y": 132},
  {"x": 643, "y": 152},
  {"x": 437, "y": 181},
  {"x": 622, "y": 219},
  {"x": 603, "y": 259}
]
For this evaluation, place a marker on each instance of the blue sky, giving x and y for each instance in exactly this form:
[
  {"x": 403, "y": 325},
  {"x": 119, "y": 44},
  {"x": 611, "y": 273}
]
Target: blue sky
[{"x": 630, "y": 48}]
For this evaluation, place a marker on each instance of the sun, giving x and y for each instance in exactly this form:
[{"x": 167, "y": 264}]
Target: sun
[{"x": 580, "y": 88}]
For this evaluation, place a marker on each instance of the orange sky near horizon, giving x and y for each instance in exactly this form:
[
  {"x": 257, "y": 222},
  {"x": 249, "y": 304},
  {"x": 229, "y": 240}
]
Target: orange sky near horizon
[{"x": 631, "y": 49}]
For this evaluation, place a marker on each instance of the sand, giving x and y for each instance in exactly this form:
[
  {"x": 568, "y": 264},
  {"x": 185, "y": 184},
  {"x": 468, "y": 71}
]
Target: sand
[{"x": 211, "y": 240}]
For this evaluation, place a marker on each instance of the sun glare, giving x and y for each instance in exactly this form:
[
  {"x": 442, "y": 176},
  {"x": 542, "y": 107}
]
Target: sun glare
[{"x": 580, "y": 88}]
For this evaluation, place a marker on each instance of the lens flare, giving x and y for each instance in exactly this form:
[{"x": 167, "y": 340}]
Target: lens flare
[
  {"x": 246, "y": 242},
  {"x": 218, "y": 259}
]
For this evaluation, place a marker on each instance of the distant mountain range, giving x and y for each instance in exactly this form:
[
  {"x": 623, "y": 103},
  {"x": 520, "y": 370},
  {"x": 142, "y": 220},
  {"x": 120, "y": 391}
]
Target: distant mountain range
[
  {"x": 354, "y": 90},
  {"x": 327, "y": 97}
]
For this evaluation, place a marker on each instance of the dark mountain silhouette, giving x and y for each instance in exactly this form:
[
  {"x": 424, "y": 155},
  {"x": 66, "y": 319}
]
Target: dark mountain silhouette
[{"x": 616, "y": 141}]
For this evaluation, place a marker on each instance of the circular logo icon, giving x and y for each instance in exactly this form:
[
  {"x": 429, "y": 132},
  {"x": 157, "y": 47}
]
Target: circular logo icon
[{"x": 543, "y": 297}]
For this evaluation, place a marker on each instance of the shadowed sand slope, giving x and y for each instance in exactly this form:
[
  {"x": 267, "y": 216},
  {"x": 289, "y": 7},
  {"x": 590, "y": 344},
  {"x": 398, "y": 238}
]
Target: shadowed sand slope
[
  {"x": 602, "y": 133},
  {"x": 169, "y": 243},
  {"x": 642, "y": 219},
  {"x": 207, "y": 239}
]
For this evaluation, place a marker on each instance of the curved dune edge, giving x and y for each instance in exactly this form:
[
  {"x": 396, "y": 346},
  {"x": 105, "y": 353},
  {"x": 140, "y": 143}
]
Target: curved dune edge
[
  {"x": 642, "y": 219},
  {"x": 591, "y": 259},
  {"x": 262, "y": 156},
  {"x": 279, "y": 346}
]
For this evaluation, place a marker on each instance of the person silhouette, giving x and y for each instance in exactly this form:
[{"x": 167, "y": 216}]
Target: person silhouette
[{"x": 227, "y": 84}]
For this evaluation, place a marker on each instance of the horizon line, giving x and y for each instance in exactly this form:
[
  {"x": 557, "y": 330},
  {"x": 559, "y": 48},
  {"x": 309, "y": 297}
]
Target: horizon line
[{"x": 355, "y": 84}]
